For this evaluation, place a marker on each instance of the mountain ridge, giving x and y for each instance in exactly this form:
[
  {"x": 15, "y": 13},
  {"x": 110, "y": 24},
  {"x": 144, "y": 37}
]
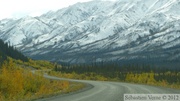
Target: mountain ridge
[{"x": 100, "y": 31}]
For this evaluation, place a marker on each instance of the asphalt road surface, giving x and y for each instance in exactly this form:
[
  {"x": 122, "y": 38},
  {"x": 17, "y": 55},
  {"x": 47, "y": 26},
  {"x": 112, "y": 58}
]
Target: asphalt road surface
[{"x": 107, "y": 91}]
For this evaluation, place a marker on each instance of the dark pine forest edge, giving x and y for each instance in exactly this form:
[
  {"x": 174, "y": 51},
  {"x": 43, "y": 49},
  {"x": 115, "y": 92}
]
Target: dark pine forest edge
[{"x": 18, "y": 83}]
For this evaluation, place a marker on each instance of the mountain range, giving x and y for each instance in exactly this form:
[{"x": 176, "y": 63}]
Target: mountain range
[{"x": 135, "y": 31}]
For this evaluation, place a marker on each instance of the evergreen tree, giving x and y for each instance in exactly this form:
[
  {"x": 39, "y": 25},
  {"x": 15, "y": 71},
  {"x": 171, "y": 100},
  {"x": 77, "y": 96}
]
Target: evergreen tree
[{"x": 9, "y": 51}]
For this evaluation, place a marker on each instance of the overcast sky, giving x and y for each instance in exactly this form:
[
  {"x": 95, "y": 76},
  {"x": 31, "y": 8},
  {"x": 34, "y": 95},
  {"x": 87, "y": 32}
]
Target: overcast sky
[{"x": 20, "y": 8}]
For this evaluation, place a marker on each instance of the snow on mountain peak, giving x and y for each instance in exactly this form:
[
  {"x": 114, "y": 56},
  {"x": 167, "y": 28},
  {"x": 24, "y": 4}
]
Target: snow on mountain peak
[{"x": 98, "y": 30}]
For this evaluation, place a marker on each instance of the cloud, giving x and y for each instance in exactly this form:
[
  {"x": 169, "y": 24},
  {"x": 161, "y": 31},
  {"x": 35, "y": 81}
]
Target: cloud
[{"x": 20, "y": 8}]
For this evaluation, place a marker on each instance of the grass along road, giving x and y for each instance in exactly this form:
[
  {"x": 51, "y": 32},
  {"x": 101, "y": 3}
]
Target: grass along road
[{"x": 107, "y": 91}]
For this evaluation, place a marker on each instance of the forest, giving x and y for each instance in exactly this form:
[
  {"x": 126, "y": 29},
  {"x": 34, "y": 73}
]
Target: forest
[
  {"x": 9, "y": 51},
  {"x": 143, "y": 74}
]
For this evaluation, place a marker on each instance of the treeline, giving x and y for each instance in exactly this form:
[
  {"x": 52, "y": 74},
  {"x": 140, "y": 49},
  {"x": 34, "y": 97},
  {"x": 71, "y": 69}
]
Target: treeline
[
  {"x": 9, "y": 51},
  {"x": 145, "y": 74},
  {"x": 116, "y": 66}
]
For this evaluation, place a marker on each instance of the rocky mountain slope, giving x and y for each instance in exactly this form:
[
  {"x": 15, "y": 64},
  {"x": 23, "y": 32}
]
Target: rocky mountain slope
[{"x": 123, "y": 30}]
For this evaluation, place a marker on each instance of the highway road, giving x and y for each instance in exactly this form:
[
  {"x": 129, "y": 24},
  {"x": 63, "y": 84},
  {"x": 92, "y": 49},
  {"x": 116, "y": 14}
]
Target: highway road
[{"x": 107, "y": 91}]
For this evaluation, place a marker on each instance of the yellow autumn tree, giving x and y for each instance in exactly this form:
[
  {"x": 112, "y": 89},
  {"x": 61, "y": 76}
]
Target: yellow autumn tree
[{"x": 17, "y": 84}]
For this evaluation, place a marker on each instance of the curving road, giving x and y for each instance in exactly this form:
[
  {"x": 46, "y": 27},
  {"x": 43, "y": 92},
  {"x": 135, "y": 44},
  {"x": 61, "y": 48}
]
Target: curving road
[{"x": 107, "y": 91}]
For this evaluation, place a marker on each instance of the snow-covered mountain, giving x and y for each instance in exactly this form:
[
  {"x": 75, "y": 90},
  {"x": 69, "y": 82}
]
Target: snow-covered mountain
[{"x": 122, "y": 30}]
